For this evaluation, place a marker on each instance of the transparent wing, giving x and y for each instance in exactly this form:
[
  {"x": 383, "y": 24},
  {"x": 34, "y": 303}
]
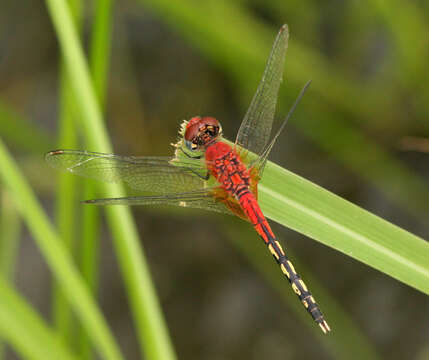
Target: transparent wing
[
  {"x": 255, "y": 129},
  {"x": 154, "y": 175},
  {"x": 196, "y": 199},
  {"x": 260, "y": 162}
]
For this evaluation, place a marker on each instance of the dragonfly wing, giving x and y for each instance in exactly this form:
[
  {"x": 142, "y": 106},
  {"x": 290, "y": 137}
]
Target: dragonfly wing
[
  {"x": 255, "y": 129},
  {"x": 154, "y": 175},
  {"x": 260, "y": 162},
  {"x": 195, "y": 199}
]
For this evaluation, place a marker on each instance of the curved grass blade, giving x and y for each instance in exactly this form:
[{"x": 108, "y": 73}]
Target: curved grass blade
[
  {"x": 25, "y": 330},
  {"x": 311, "y": 210},
  {"x": 57, "y": 257},
  {"x": 10, "y": 228}
]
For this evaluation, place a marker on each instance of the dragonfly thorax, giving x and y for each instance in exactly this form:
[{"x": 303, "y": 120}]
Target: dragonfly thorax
[{"x": 201, "y": 132}]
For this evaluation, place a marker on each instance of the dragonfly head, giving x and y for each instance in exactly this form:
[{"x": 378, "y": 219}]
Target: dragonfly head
[{"x": 201, "y": 132}]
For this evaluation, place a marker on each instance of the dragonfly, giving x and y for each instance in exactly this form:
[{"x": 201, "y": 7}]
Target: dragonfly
[{"x": 206, "y": 171}]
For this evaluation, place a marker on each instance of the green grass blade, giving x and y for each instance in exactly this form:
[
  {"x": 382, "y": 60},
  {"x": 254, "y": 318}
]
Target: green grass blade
[
  {"x": 99, "y": 63},
  {"x": 152, "y": 332},
  {"x": 100, "y": 47},
  {"x": 311, "y": 210},
  {"x": 65, "y": 210},
  {"x": 10, "y": 228},
  {"x": 57, "y": 257},
  {"x": 66, "y": 191},
  {"x": 89, "y": 260},
  {"x": 23, "y": 328}
]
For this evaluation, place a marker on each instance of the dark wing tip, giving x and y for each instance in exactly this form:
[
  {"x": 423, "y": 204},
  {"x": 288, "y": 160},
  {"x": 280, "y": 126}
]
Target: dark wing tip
[{"x": 53, "y": 153}]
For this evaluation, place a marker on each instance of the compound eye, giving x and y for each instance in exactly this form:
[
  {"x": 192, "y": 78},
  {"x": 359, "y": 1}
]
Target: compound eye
[{"x": 211, "y": 130}]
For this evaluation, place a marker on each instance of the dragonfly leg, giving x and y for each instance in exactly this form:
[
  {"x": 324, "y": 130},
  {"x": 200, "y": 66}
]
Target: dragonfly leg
[
  {"x": 204, "y": 177},
  {"x": 190, "y": 156}
]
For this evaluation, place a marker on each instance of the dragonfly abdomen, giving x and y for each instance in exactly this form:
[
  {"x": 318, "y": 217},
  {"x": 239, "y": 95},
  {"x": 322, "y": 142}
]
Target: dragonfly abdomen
[
  {"x": 257, "y": 218},
  {"x": 228, "y": 169}
]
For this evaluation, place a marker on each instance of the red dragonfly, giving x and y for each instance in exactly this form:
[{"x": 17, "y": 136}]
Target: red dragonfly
[{"x": 206, "y": 171}]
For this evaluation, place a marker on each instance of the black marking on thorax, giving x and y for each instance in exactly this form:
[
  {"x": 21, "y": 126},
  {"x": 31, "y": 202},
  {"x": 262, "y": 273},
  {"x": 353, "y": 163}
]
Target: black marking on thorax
[{"x": 226, "y": 169}]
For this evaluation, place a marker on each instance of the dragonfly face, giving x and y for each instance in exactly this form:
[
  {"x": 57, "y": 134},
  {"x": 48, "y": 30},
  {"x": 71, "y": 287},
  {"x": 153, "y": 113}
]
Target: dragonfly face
[{"x": 201, "y": 132}]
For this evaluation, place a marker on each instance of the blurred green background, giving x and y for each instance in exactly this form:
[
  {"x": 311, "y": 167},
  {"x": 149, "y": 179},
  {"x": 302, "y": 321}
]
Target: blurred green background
[{"x": 171, "y": 60}]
